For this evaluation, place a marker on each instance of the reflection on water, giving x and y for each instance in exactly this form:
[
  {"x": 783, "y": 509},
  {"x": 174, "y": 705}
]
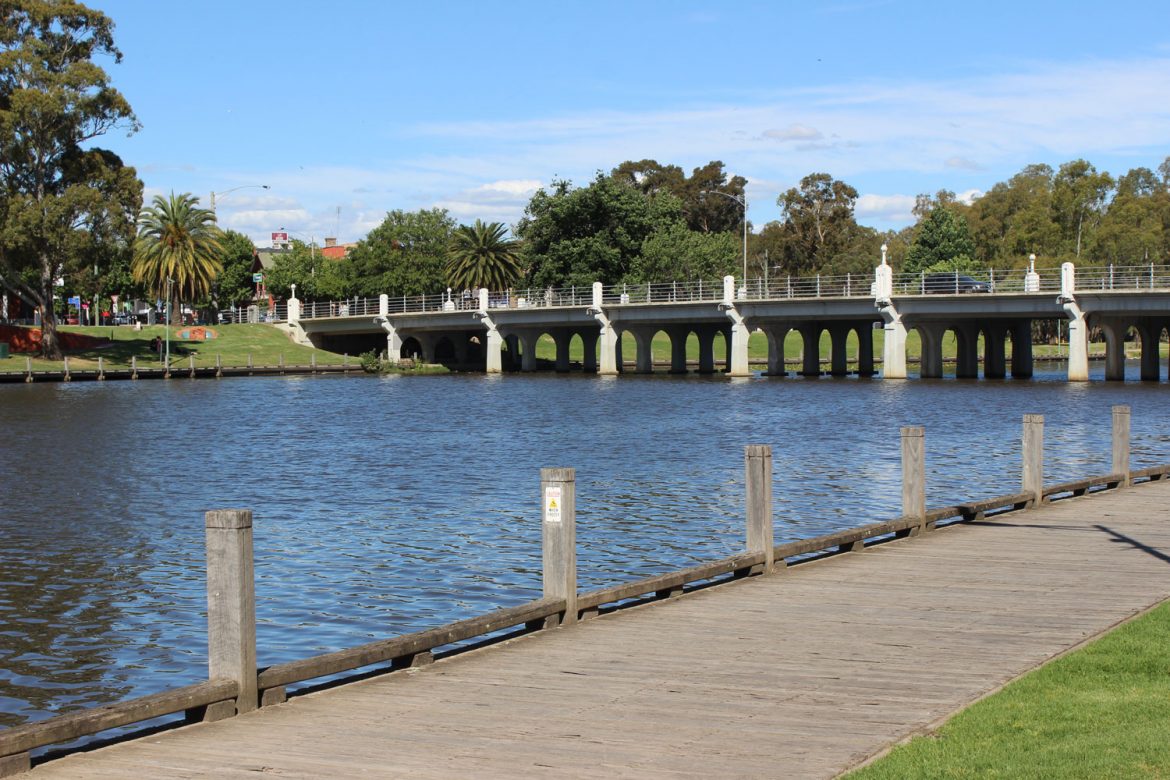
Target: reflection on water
[{"x": 385, "y": 505}]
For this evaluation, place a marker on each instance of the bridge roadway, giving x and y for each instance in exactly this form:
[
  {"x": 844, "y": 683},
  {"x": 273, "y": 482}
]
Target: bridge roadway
[{"x": 802, "y": 674}]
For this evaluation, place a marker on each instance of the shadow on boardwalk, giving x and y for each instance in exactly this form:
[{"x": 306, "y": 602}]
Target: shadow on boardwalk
[{"x": 802, "y": 674}]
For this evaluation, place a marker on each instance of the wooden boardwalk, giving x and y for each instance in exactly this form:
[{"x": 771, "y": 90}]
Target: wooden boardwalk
[{"x": 803, "y": 674}]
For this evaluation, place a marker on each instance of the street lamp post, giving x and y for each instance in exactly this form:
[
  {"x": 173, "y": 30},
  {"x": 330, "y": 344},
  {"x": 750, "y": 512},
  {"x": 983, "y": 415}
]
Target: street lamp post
[
  {"x": 233, "y": 189},
  {"x": 167, "y": 330},
  {"x": 742, "y": 201}
]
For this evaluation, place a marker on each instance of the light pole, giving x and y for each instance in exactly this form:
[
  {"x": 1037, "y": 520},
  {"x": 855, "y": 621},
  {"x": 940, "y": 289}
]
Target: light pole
[
  {"x": 233, "y": 189},
  {"x": 742, "y": 201},
  {"x": 167, "y": 330}
]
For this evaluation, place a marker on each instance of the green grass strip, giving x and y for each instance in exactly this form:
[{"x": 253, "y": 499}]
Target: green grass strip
[{"x": 1102, "y": 711}]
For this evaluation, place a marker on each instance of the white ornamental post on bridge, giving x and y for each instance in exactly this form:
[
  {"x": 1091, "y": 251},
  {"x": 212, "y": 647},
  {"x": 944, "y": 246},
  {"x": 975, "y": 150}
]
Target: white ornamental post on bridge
[
  {"x": 608, "y": 341},
  {"x": 294, "y": 307},
  {"x": 1078, "y": 331},
  {"x": 894, "y": 350},
  {"x": 383, "y": 305},
  {"x": 495, "y": 343},
  {"x": 1032, "y": 279}
]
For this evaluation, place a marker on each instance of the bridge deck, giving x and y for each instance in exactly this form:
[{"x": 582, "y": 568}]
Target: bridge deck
[{"x": 800, "y": 675}]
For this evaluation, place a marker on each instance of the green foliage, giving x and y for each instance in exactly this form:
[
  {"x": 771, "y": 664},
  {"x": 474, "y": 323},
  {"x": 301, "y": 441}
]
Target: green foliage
[
  {"x": 480, "y": 256},
  {"x": 677, "y": 253},
  {"x": 64, "y": 205},
  {"x": 371, "y": 361},
  {"x": 318, "y": 278},
  {"x": 702, "y": 211},
  {"x": 1078, "y": 201},
  {"x": 233, "y": 286},
  {"x": 178, "y": 248},
  {"x": 405, "y": 255},
  {"x": 595, "y": 233},
  {"x": 817, "y": 223},
  {"x": 942, "y": 238}
]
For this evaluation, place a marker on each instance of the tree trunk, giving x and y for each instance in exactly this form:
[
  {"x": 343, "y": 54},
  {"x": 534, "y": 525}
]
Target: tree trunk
[{"x": 50, "y": 345}]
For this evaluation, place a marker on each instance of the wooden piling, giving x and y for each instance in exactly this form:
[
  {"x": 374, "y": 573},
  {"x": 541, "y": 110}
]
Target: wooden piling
[
  {"x": 133, "y": 366},
  {"x": 558, "y": 504},
  {"x": 758, "y": 476},
  {"x": 1121, "y": 418},
  {"x": 1032, "y": 480},
  {"x": 231, "y": 607},
  {"x": 914, "y": 475}
]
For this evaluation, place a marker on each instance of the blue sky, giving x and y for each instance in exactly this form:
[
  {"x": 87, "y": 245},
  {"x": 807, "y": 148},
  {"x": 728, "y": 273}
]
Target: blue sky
[{"x": 350, "y": 109}]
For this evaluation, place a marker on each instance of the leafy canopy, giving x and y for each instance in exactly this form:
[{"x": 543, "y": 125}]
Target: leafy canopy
[
  {"x": 480, "y": 256},
  {"x": 179, "y": 243}
]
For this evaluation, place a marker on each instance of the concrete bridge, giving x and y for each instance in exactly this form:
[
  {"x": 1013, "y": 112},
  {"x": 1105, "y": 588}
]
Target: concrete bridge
[{"x": 496, "y": 331}]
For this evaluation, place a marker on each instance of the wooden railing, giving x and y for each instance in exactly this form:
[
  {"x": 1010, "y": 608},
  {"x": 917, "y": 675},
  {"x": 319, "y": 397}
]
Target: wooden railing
[{"x": 236, "y": 685}]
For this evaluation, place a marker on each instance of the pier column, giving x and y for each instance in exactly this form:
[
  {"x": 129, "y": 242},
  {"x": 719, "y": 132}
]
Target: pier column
[
  {"x": 562, "y": 338},
  {"x": 994, "y": 354},
  {"x": 1151, "y": 334},
  {"x": 589, "y": 339},
  {"x": 894, "y": 348},
  {"x": 393, "y": 344},
  {"x": 776, "y": 335},
  {"x": 644, "y": 362},
  {"x": 1078, "y": 344},
  {"x": 558, "y": 498},
  {"x": 231, "y": 607},
  {"x": 967, "y": 357},
  {"x": 1032, "y": 480},
  {"x": 1121, "y": 442},
  {"x": 1022, "y": 349},
  {"x": 528, "y": 341},
  {"x": 493, "y": 351},
  {"x": 758, "y": 476},
  {"x": 678, "y": 349},
  {"x": 811, "y": 336},
  {"x": 838, "y": 338},
  {"x": 459, "y": 343},
  {"x": 619, "y": 359},
  {"x": 737, "y": 348},
  {"x": 706, "y": 336},
  {"x": 513, "y": 342},
  {"x": 865, "y": 349},
  {"x": 914, "y": 475},
  {"x": 1114, "y": 332},
  {"x": 931, "y": 362}
]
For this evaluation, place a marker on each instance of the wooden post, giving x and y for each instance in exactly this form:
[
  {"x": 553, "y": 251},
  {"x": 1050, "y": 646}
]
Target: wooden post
[
  {"x": 1032, "y": 481},
  {"x": 558, "y": 504},
  {"x": 757, "y": 459},
  {"x": 191, "y": 365},
  {"x": 914, "y": 475},
  {"x": 28, "y": 377},
  {"x": 218, "y": 365},
  {"x": 1121, "y": 442},
  {"x": 65, "y": 362},
  {"x": 231, "y": 607},
  {"x": 133, "y": 366},
  {"x": 101, "y": 369},
  {"x": 249, "y": 360},
  {"x": 282, "y": 362},
  {"x": 313, "y": 361}
]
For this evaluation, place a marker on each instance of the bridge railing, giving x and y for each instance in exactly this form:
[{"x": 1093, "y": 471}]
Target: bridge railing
[{"x": 1124, "y": 277}]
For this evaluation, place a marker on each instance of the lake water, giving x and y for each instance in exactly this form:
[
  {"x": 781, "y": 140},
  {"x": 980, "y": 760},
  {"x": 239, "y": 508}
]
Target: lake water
[{"x": 386, "y": 505}]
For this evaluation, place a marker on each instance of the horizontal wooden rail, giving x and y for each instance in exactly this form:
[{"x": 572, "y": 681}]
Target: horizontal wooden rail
[
  {"x": 977, "y": 510},
  {"x": 407, "y": 645},
  {"x": 1151, "y": 473},
  {"x": 1078, "y": 487},
  {"x": 63, "y": 728},
  {"x": 670, "y": 581}
]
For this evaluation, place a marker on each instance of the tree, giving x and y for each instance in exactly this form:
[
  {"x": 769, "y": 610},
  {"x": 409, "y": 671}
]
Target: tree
[
  {"x": 577, "y": 236},
  {"x": 1078, "y": 200},
  {"x": 233, "y": 285},
  {"x": 318, "y": 278},
  {"x": 1014, "y": 219},
  {"x": 817, "y": 222},
  {"x": 1133, "y": 229},
  {"x": 480, "y": 256},
  {"x": 676, "y": 253},
  {"x": 61, "y": 203},
  {"x": 178, "y": 249},
  {"x": 942, "y": 242},
  {"x": 706, "y": 214},
  {"x": 405, "y": 255}
]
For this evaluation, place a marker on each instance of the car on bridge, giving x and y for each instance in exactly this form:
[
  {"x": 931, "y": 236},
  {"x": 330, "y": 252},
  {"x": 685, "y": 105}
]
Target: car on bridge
[{"x": 949, "y": 282}]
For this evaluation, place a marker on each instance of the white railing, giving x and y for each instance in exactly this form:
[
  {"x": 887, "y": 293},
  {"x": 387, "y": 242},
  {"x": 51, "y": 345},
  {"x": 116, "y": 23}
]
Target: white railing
[{"x": 1115, "y": 278}]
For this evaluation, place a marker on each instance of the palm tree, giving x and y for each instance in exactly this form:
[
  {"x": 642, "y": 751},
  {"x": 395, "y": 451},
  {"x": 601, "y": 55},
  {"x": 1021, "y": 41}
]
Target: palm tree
[
  {"x": 178, "y": 242},
  {"x": 480, "y": 256}
]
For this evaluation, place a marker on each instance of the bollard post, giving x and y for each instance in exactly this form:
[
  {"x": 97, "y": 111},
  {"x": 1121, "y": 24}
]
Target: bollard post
[
  {"x": 28, "y": 377},
  {"x": 218, "y": 365},
  {"x": 231, "y": 607},
  {"x": 65, "y": 363},
  {"x": 558, "y": 504},
  {"x": 101, "y": 369},
  {"x": 1032, "y": 481},
  {"x": 281, "y": 362},
  {"x": 757, "y": 459},
  {"x": 249, "y": 360},
  {"x": 914, "y": 476},
  {"x": 133, "y": 366},
  {"x": 191, "y": 365},
  {"x": 1121, "y": 443}
]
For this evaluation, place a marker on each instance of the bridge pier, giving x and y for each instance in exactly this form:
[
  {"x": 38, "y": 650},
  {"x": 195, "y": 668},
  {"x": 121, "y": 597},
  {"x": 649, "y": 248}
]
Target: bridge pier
[
  {"x": 706, "y": 338},
  {"x": 967, "y": 357},
  {"x": 562, "y": 338},
  {"x": 737, "y": 348},
  {"x": 1022, "y": 349},
  {"x": 678, "y": 349},
  {"x": 931, "y": 336},
  {"x": 589, "y": 339},
  {"x": 776, "y": 334},
  {"x": 528, "y": 341},
  {"x": 1150, "y": 331},
  {"x": 865, "y": 349},
  {"x": 811, "y": 359},
  {"x": 644, "y": 361},
  {"x": 839, "y": 339},
  {"x": 1114, "y": 332},
  {"x": 894, "y": 349},
  {"x": 994, "y": 352}
]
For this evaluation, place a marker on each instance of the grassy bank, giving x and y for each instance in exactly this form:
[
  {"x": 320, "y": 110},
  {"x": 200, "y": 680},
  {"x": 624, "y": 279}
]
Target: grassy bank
[
  {"x": 233, "y": 344},
  {"x": 1100, "y": 712}
]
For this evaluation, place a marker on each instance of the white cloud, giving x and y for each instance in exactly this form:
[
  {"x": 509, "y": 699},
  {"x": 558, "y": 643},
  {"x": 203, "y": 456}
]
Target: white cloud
[
  {"x": 962, "y": 163},
  {"x": 885, "y": 208},
  {"x": 795, "y": 132}
]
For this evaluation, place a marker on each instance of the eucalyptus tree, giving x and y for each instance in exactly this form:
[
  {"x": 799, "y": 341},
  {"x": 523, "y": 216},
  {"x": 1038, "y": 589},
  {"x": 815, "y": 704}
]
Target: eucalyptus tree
[
  {"x": 481, "y": 256},
  {"x": 63, "y": 202},
  {"x": 178, "y": 249}
]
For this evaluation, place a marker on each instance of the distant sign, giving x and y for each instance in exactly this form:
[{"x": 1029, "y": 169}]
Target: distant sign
[
  {"x": 75, "y": 300},
  {"x": 257, "y": 278},
  {"x": 280, "y": 238}
]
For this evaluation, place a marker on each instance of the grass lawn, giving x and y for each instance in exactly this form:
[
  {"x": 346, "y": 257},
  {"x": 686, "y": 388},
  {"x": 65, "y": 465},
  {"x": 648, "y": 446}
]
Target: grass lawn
[
  {"x": 1100, "y": 712},
  {"x": 233, "y": 343}
]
